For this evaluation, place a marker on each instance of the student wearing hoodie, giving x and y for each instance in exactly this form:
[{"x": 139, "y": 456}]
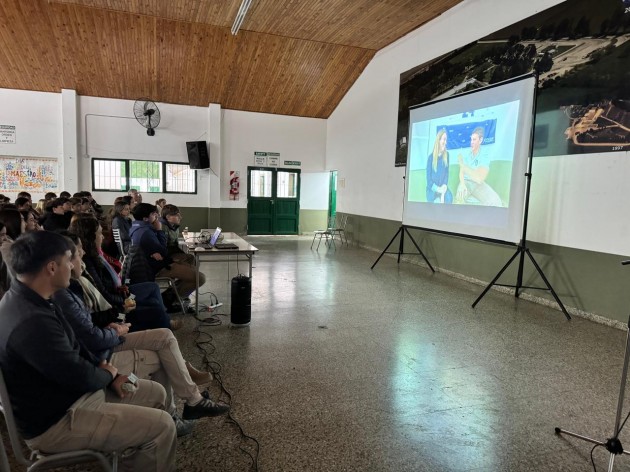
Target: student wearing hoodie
[{"x": 146, "y": 232}]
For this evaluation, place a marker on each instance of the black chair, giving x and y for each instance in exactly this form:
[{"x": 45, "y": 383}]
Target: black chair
[
  {"x": 325, "y": 233},
  {"x": 339, "y": 227}
]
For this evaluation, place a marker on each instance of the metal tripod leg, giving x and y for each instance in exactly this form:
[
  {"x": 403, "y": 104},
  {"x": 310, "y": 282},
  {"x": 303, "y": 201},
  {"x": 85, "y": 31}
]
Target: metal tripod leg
[{"x": 622, "y": 388}]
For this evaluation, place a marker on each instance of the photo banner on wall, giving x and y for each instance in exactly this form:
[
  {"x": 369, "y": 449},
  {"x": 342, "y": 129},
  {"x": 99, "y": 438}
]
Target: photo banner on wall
[
  {"x": 581, "y": 51},
  {"x": 31, "y": 174}
]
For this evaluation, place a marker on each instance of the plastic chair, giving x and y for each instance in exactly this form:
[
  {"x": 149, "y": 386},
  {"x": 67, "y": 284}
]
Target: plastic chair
[
  {"x": 119, "y": 243},
  {"x": 38, "y": 460},
  {"x": 325, "y": 233},
  {"x": 339, "y": 227}
]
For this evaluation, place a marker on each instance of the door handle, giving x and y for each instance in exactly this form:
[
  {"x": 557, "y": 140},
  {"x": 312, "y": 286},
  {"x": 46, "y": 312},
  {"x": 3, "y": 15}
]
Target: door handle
[{"x": 272, "y": 202}]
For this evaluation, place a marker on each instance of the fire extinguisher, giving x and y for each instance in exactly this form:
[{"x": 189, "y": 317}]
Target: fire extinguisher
[{"x": 234, "y": 183}]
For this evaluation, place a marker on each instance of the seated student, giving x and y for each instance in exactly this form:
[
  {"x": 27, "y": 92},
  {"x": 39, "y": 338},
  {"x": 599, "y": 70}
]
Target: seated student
[
  {"x": 30, "y": 219},
  {"x": 75, "y": 204},
  {"x": 5, "y": 278},
  {"x": 26, "y": 195},
  {"x": 120, "y": 220},
  {"x": 58, "y": 218},
  {"x": 23, "y": 203},
  {"x": 14, "y": 226},
  {"x": 151, "y": 354},
  {"x": 149, "y": 310},
  {"x": 86, "y": 207},
  {"x": 95, "y": 207},
  {"x": 146, "y": 232},
  {"x": 137, "y": 197},
  {"x": 13, "y": 221},
  {"x": 41, "y": 207},
  {"x": 159, "y": 204},
  {"x": 171, "y": 222},
  {"x": 62, "y": 398}
]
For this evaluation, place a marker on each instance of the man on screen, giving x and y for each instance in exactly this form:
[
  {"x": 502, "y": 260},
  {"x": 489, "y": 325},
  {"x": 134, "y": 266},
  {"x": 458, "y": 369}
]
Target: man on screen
[{"x": 473, "y": 171}]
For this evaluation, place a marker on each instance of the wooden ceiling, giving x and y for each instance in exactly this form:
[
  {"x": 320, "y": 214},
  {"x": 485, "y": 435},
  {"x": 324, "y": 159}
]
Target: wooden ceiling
[{"x": 291, "y": 57}]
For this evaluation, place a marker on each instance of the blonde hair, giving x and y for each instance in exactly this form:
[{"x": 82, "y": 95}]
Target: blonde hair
[
  {"x": 41, "y": 206},
  {"x": 436, "y": 150}
]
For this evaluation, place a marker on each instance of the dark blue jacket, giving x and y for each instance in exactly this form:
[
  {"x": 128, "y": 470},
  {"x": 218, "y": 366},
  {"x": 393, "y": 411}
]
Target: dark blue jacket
[
  {"x": 151, "y": 241},
  {"x": 100, "y": 341},
  {"x": 45, "y": 367}
]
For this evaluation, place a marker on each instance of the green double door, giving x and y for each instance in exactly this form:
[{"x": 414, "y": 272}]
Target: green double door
[{"x": 273, "y": 200}]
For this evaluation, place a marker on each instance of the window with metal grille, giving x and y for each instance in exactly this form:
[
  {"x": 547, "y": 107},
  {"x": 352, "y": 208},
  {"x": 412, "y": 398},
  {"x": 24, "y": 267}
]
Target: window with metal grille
[
  {"x": 146, "y": 176},
  {"x": 109, "y": 175},
  {"x": 180, "y": 178}
]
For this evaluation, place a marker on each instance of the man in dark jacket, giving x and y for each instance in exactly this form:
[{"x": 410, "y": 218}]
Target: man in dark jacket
[
  {"x": 62, "y": 399},
  {"x": 146, "y": 232},
  {"x": 59, "y": 216}
]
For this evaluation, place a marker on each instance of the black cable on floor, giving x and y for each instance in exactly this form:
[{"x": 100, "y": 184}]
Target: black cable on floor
[
  {"x": 592, "y": 460},
  {"x": 207, "y": 348},
  {"x": 623, "y": 424}
]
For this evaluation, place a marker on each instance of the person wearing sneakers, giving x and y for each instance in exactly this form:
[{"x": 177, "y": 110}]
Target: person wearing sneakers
[
  {"x": 146, "y": 232},
  {"x": 150, "y": 354},
  {"x": 63, "y": 399}
]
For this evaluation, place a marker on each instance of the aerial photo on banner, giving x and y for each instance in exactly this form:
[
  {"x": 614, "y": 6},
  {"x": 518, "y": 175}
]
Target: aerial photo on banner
[{"x": 581, "y": 51}]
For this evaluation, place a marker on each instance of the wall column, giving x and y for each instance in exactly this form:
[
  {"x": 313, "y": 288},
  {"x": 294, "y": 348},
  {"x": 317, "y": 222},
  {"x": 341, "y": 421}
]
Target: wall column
[
  {"x": 69, "y": 165},
  {"x": 214, "y": 176}
]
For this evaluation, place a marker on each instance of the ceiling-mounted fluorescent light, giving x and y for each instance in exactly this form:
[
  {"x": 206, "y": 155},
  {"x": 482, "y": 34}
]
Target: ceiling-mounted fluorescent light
[{"x": 240, "y": 16}]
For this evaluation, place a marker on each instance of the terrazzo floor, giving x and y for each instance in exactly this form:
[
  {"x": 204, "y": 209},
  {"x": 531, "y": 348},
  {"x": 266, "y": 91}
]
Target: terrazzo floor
[{"x": 344, "y": 368}]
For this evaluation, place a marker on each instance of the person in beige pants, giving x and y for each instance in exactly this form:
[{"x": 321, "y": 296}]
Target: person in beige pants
[
  {"x": 63, "y": 399},
  {"x": 150, "y": 354}
]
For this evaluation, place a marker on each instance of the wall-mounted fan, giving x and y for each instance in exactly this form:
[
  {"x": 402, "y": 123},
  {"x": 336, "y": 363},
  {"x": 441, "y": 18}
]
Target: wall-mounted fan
[{"x": 148, "y": 114}]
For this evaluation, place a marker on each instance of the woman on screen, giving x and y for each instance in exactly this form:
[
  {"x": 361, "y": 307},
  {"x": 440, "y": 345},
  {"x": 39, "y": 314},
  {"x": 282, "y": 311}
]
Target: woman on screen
[{"x": 437, "y": 172}]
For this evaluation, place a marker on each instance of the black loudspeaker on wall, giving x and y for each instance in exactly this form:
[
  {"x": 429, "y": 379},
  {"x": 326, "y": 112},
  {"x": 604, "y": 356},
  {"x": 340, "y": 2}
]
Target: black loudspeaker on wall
[
  {"x": 241, "y": 300},
  {"x": 198, "y": 156}
]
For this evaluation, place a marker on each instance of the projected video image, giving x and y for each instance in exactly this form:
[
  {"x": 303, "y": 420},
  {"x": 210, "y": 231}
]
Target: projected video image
[{"x": 464, "y": 159}]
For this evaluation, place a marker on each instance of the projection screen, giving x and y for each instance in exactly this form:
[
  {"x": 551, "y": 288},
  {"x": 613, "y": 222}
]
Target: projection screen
[{"x": 467, "y": 161}]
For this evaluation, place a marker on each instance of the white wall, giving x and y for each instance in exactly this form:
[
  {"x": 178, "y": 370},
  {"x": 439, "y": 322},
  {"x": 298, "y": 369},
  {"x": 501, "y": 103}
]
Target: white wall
[
  {"x": 37, "y": 118},
  {"x": 108, "y": 130},
  {"x": 314, "y": 191},
  {"x": 105, "y": 128},
  {"x": 584, "y": 205},
  {"x": 295, "y": 138}
]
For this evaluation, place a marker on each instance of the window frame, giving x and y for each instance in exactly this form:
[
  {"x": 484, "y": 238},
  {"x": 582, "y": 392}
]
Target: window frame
[
  {"x": 128, "y": 176},
  {"x": 179, "y": 164}
]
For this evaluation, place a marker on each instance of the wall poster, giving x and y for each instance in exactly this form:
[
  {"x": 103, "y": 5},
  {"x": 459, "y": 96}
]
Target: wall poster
[
  {"x": 32, "y": 174},
  {"x": 581, "y": 51},
  {"x": 7, "y": 134}
]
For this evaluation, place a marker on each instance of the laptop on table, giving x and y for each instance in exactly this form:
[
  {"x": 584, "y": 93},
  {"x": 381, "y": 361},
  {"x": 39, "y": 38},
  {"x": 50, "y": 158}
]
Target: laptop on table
[{"x": 213, "y": 241}]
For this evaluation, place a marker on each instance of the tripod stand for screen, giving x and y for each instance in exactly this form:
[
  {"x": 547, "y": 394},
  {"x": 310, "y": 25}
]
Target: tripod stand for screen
[
  {"x": 612, "y": 445},
  {"x": 401, "y": 231},
  {"x": 522, "y": 248}
]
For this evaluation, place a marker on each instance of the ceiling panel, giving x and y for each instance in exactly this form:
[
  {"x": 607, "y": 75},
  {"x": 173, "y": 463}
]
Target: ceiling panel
[{"x": 290, "y": 57}]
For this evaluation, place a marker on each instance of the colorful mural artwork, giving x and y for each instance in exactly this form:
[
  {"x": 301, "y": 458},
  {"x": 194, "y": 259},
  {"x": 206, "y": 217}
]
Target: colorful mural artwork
[
  {"x": 28, "y": 173},
  {"x": 581, "y": 52}
]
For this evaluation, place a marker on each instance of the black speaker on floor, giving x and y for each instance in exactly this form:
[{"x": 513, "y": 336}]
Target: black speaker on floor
[
  {"x": 198, "y": 156},
  {"x": 241, "y": 300}
]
